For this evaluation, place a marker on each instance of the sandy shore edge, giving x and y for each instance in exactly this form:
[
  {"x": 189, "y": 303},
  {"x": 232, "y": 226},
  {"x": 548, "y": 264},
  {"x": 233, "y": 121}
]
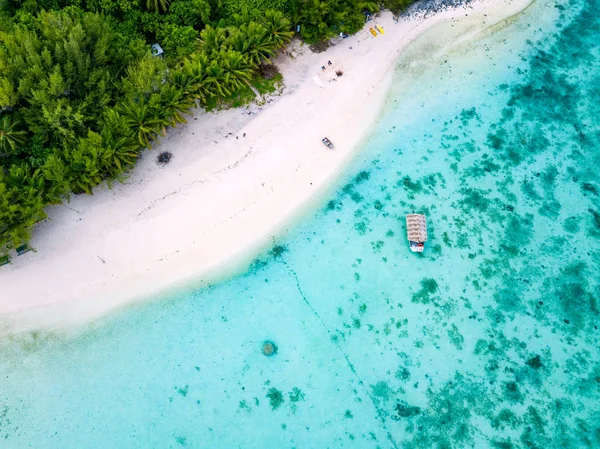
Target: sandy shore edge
[{"x": 237, "y": 181}]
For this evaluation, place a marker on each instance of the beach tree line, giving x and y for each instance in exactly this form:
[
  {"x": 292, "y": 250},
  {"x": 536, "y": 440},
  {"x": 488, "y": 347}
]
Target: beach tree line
[
  {"x": 81, "y": 94},
  {"x": 79, "y": 101}
]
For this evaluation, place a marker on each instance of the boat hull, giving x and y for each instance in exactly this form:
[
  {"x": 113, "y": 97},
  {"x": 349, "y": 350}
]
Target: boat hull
[{"x": 417, "y": 247}]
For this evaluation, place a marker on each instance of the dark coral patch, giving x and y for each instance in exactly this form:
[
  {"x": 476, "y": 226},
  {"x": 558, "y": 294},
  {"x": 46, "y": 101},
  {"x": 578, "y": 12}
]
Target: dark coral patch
[{"x": 535, "y": 362}]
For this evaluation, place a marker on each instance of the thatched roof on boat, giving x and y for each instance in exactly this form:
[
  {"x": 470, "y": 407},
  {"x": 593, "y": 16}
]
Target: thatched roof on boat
[{"x": 416, "y": 228}]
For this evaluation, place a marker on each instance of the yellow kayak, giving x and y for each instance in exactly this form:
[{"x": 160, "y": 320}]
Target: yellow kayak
[
  {"x": 373, "y": 32},
  {"x": 380, "y": 28}
]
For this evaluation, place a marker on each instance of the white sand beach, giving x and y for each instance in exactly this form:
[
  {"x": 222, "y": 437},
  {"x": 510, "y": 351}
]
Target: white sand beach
[{"x": 237, "y": 180}]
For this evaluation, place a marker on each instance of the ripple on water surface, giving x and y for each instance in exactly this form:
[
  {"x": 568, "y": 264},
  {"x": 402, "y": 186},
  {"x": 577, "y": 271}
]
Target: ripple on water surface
[{"x": 489, "y": 339}]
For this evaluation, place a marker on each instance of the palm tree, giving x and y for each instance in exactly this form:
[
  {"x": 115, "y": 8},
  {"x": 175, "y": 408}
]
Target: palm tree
[
  {"x": 175, "y": 103},
  {"x": 19, "y": 211},
  {"x": 28, "y": 181},
  {"x": 236, "y": 69},
  {"x": 157, "y": 5},
  {"x": 183, "y": 80},
  {"x": 238, "y": 41},
  {"x": 259, "y": 47},
  {"x": 238, "y": 20},
  {"x": 278, "y": 28},
  {"x": 85, "y": 163},
  {"x": 56, "y": 173},
  {"x": 215, "y": 82},
  {"x": 86, "y": 169},
  {"x": 368, "y": 6},
  {"x": 212, "y": 40},
  {"x": 142, "y": 122},
  {"x": 118, "y": 152},
  {"x": 208, "y": 77},
  {"x": 316, "y": 17},
  {"x": 191, "y": 75},
  {"x": 10, "y": 137}
]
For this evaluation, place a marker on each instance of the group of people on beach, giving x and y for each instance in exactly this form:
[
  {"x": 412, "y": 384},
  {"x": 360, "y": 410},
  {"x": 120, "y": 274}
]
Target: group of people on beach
[{"x": 323, "y": 67}]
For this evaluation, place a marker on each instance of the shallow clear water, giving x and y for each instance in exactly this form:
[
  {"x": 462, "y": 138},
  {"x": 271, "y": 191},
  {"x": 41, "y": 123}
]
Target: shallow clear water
[{"x": 490, "y": 339}]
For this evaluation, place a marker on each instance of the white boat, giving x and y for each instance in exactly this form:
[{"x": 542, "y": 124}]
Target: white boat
[{"x": 416, "y": 231}]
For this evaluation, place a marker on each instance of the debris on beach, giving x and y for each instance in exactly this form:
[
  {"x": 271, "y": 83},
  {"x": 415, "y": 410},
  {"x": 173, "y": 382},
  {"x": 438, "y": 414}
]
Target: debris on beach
[{"x": 164, "y": 158}]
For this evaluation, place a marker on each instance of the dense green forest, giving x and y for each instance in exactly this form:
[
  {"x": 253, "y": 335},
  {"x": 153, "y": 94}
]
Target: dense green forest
[{"x": 81, "y": 93}]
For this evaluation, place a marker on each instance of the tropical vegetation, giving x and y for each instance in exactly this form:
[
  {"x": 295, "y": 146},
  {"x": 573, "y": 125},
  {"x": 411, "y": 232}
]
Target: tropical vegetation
[{"x": 81, "y": 94}]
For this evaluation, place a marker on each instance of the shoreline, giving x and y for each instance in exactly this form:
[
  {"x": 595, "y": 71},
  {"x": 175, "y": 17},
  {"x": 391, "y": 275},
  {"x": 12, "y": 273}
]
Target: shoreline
[{"x": 238, "y": 180}]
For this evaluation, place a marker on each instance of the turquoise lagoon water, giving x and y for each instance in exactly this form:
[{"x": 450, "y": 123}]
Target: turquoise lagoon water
[{"x": 490, "y": 339}]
